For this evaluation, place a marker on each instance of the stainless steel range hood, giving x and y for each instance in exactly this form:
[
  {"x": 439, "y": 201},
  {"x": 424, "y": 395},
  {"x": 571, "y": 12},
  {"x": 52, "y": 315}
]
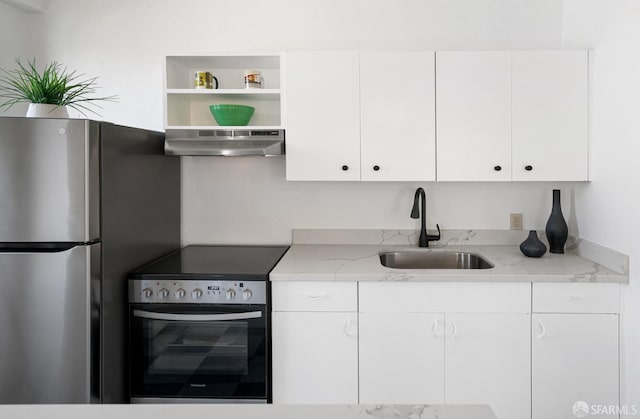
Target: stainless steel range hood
[{"x": 221, "y": 142}]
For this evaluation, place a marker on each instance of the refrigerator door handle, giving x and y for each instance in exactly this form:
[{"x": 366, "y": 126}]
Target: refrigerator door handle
[{"x": 42, "y": 247}]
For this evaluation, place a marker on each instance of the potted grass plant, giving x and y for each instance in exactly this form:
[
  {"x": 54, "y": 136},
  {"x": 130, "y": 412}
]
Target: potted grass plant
[{"x": 50, "y": 91}]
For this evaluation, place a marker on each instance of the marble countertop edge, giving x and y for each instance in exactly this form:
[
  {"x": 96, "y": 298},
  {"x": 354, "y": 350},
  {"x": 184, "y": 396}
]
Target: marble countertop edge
[
  {"x": 349, "y": 261},
  {"x": 243, "y": 411},
  {"x": 434, "y": 277}
]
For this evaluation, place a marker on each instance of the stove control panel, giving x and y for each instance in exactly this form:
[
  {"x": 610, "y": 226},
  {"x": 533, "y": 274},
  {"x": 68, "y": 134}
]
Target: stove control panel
[{"x": 197, "y": 292}]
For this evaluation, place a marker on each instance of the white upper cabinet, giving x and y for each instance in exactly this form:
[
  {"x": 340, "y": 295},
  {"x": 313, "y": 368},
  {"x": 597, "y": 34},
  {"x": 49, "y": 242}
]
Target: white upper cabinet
[
  {"x": 360, "y": 116},
  {"x": 550, "y": 115},
  {"x": 323, "y": 124},
  {"x": 397, "y": 108},
  {"x": 519, "y": 116},
  {"x": 474, "y": 116},
  {"x": 378, "y": 115}
]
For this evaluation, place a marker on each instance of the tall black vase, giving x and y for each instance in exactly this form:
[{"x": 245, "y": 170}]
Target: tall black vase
[{"x": 556, "y": 230}]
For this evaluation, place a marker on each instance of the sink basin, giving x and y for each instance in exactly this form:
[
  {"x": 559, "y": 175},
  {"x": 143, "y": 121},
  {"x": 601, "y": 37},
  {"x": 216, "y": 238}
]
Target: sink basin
[{"x": 416, "y": 259}]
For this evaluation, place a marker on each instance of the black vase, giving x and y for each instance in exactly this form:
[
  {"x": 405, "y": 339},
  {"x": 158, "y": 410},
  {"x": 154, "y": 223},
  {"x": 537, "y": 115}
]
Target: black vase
[
  {"x": 556, "y": 230},
  {"x": 532, "y": 246}
]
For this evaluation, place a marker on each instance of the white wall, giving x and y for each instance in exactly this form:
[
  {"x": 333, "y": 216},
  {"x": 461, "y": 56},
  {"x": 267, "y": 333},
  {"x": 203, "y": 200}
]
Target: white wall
[
  {"x": 124, "y": 41},
  {"x": 16, "y": 41},
  {"x": 610, "y": 203}
]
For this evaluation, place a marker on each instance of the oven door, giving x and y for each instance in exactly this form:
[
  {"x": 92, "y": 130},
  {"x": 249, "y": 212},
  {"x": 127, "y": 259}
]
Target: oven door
[{"x": 198, "y": 352}]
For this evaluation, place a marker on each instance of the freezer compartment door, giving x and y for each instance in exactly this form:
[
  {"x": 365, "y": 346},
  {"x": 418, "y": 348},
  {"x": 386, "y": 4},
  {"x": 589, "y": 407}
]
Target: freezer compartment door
[
  {"x": 49, "y": 180},
  {"x": 49, "y": 326}
]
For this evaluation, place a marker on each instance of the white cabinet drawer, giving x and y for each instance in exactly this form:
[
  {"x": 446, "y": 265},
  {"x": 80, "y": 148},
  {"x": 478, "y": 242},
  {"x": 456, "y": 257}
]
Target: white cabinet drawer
[
  {"x": 314, "y": 296},
  {"x": 576, "y": 298},
  {"x": 430, "y": 297}
]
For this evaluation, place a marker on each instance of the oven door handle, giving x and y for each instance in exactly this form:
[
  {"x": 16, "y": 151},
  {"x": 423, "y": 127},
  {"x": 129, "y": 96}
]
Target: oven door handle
[{"x": 196, "y": 317}]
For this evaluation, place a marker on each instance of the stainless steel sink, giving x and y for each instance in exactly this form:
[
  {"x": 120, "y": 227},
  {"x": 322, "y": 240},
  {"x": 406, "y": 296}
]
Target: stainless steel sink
[{"x": 433, "y": 259}]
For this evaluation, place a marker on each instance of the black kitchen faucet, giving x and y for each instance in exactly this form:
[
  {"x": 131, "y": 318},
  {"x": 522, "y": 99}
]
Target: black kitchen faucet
[{"x": 415, "y": 213}]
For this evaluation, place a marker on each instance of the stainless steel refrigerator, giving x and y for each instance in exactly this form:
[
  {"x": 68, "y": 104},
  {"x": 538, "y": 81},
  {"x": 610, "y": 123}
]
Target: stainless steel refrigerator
[{"x": 82, "y": 203}]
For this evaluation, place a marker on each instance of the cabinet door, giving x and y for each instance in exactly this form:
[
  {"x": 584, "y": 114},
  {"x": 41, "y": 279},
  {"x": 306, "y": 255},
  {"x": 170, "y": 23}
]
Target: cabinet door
[
  {"x": 401, "y": 358},
  {"x": 574, "y": 358},
  {"x": 397, "y": 109},
  {"x": 474, "y": 116},
  {"x": 550, "y": 115},
  {"x": 315, "y": 358},
  {"x": 323, "y": 116},
  {"x": 487, "y": 361}
]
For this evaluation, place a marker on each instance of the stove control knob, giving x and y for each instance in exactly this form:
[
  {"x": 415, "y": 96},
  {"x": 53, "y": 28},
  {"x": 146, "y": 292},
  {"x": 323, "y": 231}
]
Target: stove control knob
[
  {"x": 146, "y": 293},
  {"x": 246, "y": 294},
  {"x": 180, "y": 293},
  {"x": 163, "y": 293},
  {"x": 196, "y": 293},
  {"x": 230, "y": 294}
]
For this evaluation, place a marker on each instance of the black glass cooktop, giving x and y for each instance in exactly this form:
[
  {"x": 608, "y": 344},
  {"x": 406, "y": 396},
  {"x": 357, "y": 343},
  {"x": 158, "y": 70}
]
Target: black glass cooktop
[{"x": 215, "y": 262}]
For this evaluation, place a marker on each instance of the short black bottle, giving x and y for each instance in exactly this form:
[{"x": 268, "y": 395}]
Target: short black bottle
[
  {"x": 533, "y": 246},
  {"x": 557, "y": 231}
]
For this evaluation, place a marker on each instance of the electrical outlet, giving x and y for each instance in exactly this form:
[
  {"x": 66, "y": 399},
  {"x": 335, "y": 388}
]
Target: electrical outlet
[{"x": 516, "y": 222}]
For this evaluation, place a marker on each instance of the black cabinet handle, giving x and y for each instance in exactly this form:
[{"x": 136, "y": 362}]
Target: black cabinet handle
[
  {"x": 528, "y": 168},
  {"x": 345, "y": 167},
  {"x": 376, "y": 167},
  {"x": 497, "y": 168}
]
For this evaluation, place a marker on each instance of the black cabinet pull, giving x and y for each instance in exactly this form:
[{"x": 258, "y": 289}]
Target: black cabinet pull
[
  {"x": 497, "y": 168},
  {"x": 376, "y": 167},
  {"x": 528, "y": 168},
  {"x": 345, "y": 167}
]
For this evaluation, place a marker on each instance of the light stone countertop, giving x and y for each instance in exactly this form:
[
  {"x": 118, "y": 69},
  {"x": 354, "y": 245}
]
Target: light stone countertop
[
  {"x": 361, "y": 262},
  {"x": 239, "y": 411}
]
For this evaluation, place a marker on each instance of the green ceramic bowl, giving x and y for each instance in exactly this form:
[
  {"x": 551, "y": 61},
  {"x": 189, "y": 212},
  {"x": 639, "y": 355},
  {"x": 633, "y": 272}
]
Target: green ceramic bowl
[{"x": 232, "y": 115}]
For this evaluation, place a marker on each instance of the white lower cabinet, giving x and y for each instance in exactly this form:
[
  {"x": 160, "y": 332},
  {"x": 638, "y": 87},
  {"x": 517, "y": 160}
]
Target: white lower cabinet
[
  {"x": 315, "y": 358},
  {"x": 454, "y": 343},
  {"x": 575, "y": 349},
  {"x": 487, "y": 361},
  {"x": 315, "y": 342},
  {"x": 456, "y": 358},
  {"x": 415, "y": 349},
  {"x": 401, "y": 358},
  {"x": 574, "y": 359}
]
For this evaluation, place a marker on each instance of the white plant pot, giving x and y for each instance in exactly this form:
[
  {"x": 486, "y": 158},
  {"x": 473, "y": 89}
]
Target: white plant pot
[{"x": 41, "y": 110}]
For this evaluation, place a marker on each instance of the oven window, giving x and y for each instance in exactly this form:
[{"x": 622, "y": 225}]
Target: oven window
[
  {"x": 199, "y": 352},
  {"x": 182, "y": 347}
]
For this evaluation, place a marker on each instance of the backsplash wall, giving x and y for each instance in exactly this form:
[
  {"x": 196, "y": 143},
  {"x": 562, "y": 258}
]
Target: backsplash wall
[{"x": 247, "y": 200}]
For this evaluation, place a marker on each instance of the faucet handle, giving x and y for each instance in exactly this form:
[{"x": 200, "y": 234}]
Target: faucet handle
[{"x": 432, "y": 237}]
